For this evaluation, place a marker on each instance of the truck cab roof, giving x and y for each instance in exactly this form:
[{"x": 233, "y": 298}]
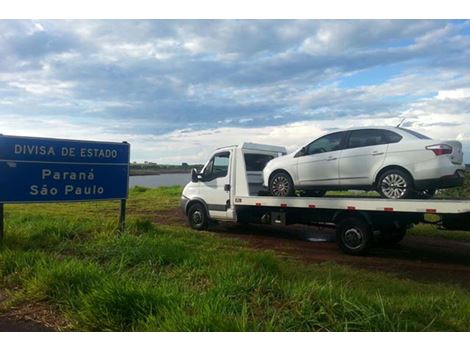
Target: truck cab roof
[{"x": 257, "y": 146}]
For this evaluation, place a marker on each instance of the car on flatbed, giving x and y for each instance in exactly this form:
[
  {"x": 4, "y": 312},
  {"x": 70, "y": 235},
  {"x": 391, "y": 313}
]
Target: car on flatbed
[{"x": 396, "y": 162}]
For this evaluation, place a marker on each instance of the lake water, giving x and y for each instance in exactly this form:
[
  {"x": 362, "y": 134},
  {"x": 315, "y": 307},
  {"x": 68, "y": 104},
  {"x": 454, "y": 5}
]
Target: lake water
[{"x": 160, "y": 180}]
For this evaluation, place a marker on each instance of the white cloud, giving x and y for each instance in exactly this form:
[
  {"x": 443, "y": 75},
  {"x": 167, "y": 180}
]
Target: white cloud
[
  {"x": 321, "y": 42},
  {"x": 38, "y": 27},
  {"x": 42, "y": 87},
  {"x": 461, "y": 93}
]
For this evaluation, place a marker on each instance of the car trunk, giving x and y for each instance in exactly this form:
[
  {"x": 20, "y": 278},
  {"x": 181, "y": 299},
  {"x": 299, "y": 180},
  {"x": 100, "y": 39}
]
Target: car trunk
[{"x": 457, "y": 154}]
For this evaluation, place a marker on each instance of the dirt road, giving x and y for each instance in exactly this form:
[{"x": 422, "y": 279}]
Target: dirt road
[
  {"x": 20, "y": 325},
  {"x": 419, "y": 258}
]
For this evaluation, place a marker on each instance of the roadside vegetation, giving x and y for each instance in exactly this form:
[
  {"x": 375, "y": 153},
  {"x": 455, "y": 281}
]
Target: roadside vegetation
[
  {"x": 459, "y": 192},
  {"x": 170, "y": 278}
]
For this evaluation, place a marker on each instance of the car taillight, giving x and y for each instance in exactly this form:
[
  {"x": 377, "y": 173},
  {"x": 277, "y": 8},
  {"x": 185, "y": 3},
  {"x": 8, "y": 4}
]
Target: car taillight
[{"x": 440, "y": 149}]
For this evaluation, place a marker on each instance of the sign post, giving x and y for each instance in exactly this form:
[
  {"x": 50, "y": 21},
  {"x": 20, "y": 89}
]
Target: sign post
[
  {"x": 1, "y": 223},
  {"x": 122, "y": 216},
  {"x": 41, "y": 170}
]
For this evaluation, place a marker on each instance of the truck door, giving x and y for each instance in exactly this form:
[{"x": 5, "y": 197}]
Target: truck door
[{"x": 214, "y": 185}]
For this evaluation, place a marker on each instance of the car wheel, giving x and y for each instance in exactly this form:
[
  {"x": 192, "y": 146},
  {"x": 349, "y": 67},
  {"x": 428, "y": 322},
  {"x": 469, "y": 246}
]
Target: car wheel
[
  {"x": 314, "y": 193},
  {"x": 197, "y": 216},
  {"x": 281, "y": 185},
  {"x": 395, "y": 184},
  {"x": 354, "y": 236}
]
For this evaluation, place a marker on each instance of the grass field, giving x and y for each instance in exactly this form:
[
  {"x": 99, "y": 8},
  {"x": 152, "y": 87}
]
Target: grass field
[{"x": 160, "y": 278}]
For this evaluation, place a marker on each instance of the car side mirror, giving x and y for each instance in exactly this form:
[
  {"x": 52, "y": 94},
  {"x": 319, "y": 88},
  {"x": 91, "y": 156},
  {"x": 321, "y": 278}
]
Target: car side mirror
[
  {"x": 194, "y": 175},
  {"x": 301, "y": 152}
]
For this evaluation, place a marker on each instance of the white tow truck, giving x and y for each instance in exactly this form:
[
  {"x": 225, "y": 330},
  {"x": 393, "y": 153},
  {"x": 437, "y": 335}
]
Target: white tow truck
[{"x": 229, "y": 188}]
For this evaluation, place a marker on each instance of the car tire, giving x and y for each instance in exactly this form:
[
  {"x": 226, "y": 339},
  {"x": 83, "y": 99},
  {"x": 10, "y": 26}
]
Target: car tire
[
  {"x": 354, "y": 236},
  {"x": 197, "y": 217},
  {"x": 281, "y": 185},
  {"x": 314, "y": 193},
  {"x": 395, "y": 184}
]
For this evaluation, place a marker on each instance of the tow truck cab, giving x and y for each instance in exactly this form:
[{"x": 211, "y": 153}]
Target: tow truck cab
[{"x": 231, "y": 171}]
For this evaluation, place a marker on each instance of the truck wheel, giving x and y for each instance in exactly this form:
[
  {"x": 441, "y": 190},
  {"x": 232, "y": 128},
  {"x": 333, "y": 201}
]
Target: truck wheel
[
  {"x": 197, "y": 216},
  {"x": 281, "y": 185},
  {"x": 354, "y": 236},
  {"x": 389, "y": 237},
  {"x": 395, "y": 184}
]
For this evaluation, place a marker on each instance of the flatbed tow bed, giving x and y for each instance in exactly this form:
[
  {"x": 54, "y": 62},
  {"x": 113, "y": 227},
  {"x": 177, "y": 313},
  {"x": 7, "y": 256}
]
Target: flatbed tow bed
[
  {"x": 429, "y": 206},
  {"x": 233, "y": 194}
]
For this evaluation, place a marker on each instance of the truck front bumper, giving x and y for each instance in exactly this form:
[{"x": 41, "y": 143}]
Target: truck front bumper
[{"x": 184, "y": 203}]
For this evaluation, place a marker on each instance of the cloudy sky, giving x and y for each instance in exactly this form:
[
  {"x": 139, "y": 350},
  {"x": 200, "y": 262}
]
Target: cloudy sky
[{"x": 178, "y": 89}]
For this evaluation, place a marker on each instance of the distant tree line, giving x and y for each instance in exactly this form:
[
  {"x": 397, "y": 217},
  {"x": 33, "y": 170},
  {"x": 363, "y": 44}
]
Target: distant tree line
[
  {"x": 151, "y": 168},
  {"x": 151, "y": 165}
]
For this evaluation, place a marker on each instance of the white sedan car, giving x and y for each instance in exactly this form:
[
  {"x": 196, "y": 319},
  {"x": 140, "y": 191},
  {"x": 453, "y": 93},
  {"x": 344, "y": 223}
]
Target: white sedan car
[{"x": 397, "y": 162}]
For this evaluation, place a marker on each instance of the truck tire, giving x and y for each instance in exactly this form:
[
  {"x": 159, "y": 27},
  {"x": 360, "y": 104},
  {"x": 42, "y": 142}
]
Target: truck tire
[
  {"x": 281, "y": 185},
  {"x": 389, "y": 237},
  {"x": 197, "y": 217},
  {"x": 354, "y": 236}
]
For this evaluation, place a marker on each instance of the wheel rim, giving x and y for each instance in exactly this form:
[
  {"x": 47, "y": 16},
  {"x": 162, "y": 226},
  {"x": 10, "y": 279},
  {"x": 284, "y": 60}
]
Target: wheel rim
[
  {"x": 280, "y": 186},
  {"x": 353, "y": 238},
  {"x": 394, "y": 186},
  {"x": 197, "y": 217}
]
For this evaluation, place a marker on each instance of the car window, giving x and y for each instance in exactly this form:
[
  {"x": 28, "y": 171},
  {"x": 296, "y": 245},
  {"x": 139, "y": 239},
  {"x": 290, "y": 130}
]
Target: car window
[
  {"x": 366, "y": 137},
  {"x": 256, "y": 162},
  {"x": 415, "y": 134},
  {"x": 328, "y": 143},
  {"x": 217, "y": 166}
]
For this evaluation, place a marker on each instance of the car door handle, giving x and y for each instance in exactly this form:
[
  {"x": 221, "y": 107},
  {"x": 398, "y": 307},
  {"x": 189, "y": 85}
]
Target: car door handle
[
  {"x": 377, "y": 153},
  {"x": 331, "y": 158}
]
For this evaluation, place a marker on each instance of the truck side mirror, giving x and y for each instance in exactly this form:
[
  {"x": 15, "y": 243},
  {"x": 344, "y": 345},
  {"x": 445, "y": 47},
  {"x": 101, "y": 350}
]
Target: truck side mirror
[{"x": 194, "y": 175}]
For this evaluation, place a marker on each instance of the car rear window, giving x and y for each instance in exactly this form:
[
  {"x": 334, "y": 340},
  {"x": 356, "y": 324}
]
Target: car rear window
[
  {"x": 256, "y": 162},
  {"x": 392, "y": 137},
  {"x": 415, "y": 134}
]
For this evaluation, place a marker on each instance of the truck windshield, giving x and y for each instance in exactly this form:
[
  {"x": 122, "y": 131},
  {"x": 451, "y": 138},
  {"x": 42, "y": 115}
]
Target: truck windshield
[{"x": 256, "y": 162}]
